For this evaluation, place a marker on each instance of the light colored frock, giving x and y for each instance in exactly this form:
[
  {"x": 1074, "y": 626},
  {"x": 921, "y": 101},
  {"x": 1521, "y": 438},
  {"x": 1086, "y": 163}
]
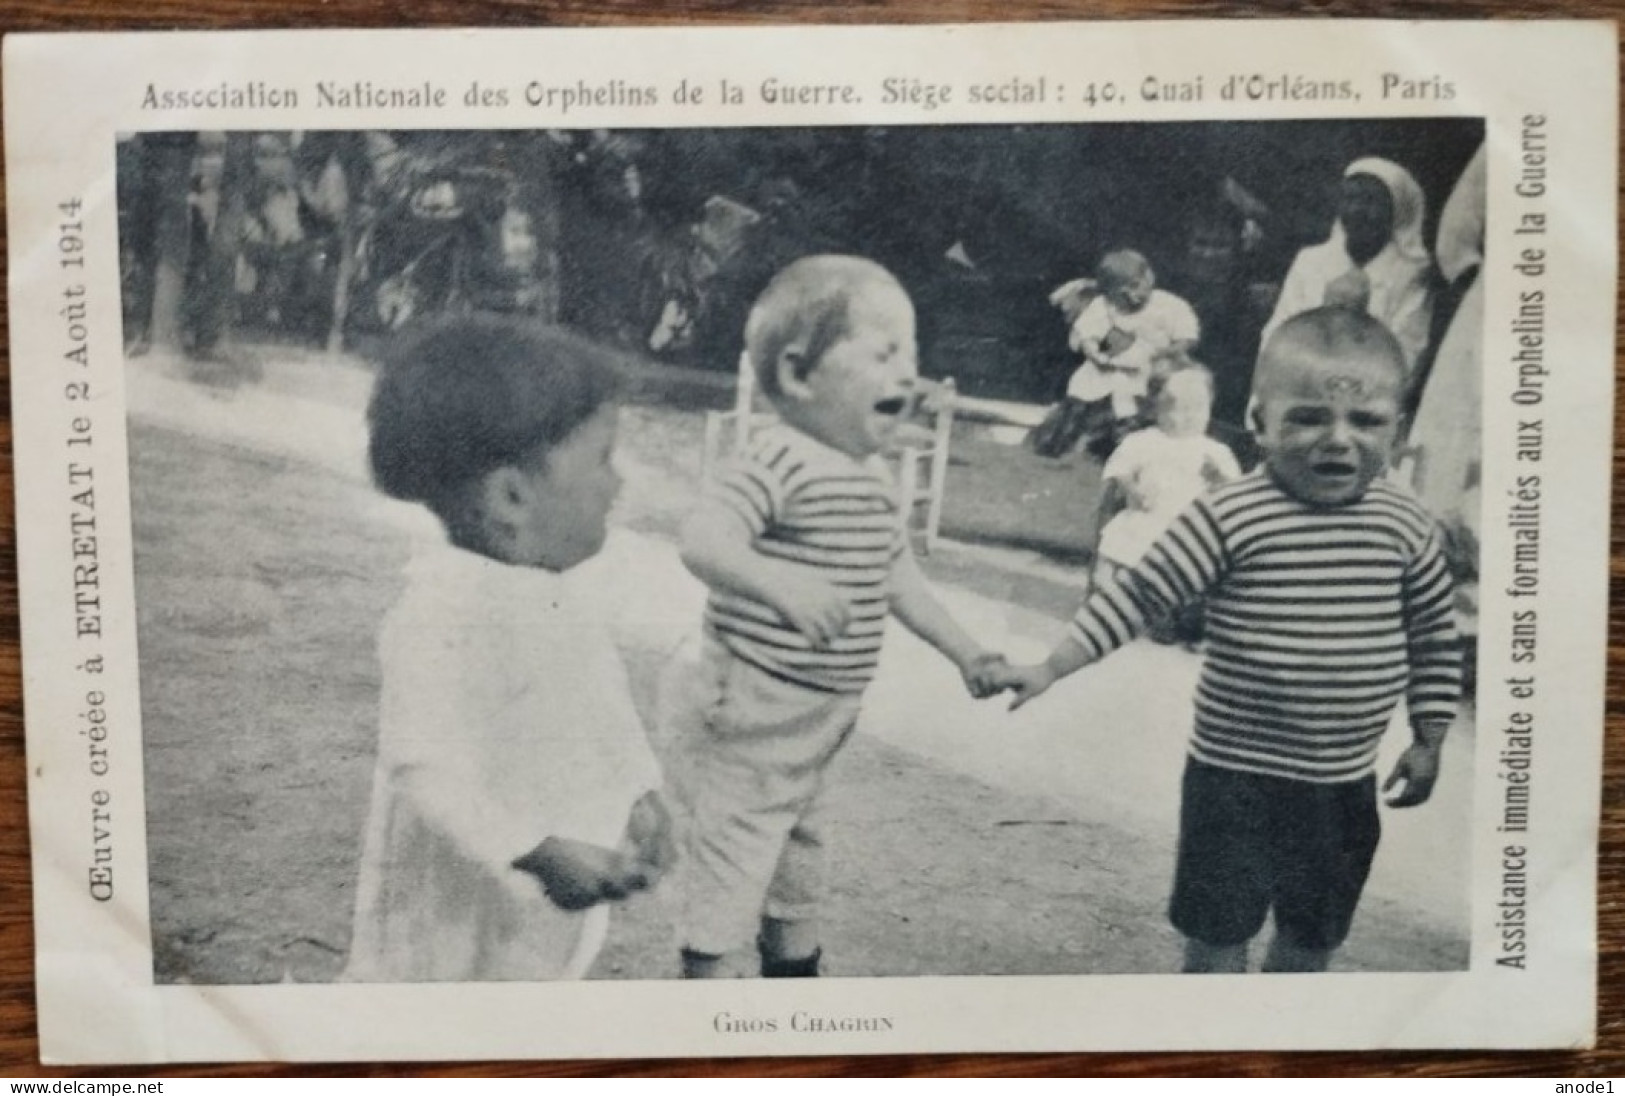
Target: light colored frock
[{"x": 505, "y": 718}]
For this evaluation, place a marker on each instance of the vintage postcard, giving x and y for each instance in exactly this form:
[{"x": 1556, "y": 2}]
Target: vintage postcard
[{"x": 813, "y": 540}]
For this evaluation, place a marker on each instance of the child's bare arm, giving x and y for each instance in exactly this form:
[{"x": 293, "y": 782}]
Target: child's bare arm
[
  {"x": 917, "y": 607},
  {"x": 717, "y": 547}
]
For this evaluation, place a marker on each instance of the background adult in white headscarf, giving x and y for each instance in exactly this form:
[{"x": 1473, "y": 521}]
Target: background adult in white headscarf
[{"x": 1374, "y": 258}]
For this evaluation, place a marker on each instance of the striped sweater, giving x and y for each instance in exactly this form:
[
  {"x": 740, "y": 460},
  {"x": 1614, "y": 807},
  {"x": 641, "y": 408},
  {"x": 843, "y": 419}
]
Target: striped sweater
[
  {"x": 809, "y": 504},
  {"x": 1319, "y": 620}
]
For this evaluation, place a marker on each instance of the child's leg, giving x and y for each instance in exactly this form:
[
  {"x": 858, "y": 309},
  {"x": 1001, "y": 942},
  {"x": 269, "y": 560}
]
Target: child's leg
[
  {"x": 1092, "y": 420},
  {"x": 789, "y": 949},
  {"x": 1107, "y": 572},
  {"x": 1058, "y": 433}
]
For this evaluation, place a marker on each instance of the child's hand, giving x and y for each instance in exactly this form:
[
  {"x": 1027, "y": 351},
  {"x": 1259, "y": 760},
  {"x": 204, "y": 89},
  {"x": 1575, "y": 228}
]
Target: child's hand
[
  {"x": 1418, "y": 769},
  {"x": 983, "y": 673},
  {"x": 577, "y": 875},
  {"x": 814, "y": 606},
  {"x": 1026, "y": 682},
  {"x": 649, "y": 840}
]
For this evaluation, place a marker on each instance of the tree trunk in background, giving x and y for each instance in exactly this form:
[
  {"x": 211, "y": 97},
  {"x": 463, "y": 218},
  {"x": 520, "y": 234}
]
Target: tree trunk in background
[{"x": 172, "y": 160}]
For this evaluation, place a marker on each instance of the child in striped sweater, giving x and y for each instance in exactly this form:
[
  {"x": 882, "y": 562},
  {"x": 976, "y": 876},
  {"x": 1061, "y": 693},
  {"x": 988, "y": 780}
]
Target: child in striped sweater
[{"x": 1328, "y": 601}]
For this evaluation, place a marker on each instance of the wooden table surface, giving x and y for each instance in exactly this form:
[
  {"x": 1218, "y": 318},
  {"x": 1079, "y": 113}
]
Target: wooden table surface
[{"x": 18, "y": 1045}]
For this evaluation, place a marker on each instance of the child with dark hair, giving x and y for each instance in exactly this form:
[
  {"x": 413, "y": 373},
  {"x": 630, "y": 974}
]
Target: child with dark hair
[{"x": 513, "y": 794}]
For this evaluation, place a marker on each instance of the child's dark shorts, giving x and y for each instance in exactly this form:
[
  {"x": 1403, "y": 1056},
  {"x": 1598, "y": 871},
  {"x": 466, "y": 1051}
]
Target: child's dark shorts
[{"x": 1250, "y": 843}]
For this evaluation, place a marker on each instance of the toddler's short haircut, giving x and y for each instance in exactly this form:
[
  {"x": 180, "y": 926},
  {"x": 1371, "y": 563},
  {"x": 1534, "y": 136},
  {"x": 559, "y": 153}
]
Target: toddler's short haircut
[
  {"x": 807, "y": 308},
  {"x": 469, "y": 394},
  {"x": 1328, "y": 334},
  {"x": 1119, "y": 268}
]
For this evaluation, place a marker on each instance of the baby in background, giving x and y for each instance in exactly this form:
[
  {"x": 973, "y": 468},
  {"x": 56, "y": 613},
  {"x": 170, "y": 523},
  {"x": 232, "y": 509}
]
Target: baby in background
[{"x": 514, "y": 789}]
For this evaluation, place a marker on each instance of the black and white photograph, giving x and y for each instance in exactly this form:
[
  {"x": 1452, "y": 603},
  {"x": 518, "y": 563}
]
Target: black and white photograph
[
  {"x": 680, "y": 542},
  {"x": 825, "y": 445}
]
